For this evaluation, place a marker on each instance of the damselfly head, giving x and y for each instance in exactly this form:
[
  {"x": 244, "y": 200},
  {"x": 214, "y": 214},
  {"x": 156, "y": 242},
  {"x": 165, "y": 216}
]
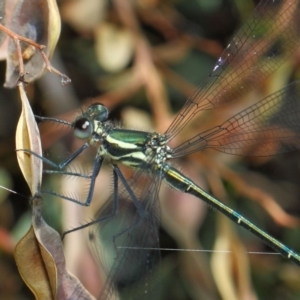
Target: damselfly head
[{"x": 84, "y": 124}]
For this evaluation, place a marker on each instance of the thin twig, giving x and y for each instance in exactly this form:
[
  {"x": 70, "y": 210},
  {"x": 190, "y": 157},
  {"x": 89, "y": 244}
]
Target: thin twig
[{"x": 17, "y": 38}]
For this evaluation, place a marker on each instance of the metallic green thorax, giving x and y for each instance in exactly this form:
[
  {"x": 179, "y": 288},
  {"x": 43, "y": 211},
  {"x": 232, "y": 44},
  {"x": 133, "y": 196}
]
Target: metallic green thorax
[{"x": 136, "y": 149}]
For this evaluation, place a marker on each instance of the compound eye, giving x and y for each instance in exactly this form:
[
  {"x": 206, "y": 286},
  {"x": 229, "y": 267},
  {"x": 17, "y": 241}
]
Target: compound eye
[
  {"x": 83, "y": 128},
  {"x": 99, "y": 112}
]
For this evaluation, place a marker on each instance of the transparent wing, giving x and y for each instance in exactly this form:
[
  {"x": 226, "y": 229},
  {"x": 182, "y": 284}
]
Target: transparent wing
[
  {"x": 271, "y": 123},
  {"x": 265, "y": 41},
  {"x": 125, "y": 242}
]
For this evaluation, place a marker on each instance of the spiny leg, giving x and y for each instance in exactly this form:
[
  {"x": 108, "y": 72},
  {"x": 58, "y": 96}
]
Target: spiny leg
[
  {"x": 92, "y": 177},
  {"x": 98, "y": 220}
]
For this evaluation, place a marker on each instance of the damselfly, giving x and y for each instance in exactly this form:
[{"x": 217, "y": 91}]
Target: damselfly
[{"x": 270, "y": 35}]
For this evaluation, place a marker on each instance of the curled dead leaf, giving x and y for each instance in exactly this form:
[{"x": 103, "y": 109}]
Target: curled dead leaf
[
  {"x": 39, "y": 21},
  {"x": 28, "y": 138},
  {"x": 31, "y": 266},
  {"x": 41, "y": 262}
]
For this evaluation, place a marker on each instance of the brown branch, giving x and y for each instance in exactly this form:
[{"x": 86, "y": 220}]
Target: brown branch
[{"x": 16, "y": 39}]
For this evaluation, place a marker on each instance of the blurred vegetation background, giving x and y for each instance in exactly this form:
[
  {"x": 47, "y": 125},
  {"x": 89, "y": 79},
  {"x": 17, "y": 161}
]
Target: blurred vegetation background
[{"x": 142, "y": 59}]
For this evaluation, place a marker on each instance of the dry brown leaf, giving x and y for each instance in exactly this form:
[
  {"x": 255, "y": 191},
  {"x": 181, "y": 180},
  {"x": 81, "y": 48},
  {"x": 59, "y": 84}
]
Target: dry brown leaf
[
  {"x": 63, "y": 284},
  {"x": 31, "y": 266},
  {"x": 39, "y": 255},
  {"x": 38, "y": 20},
  {"x": 41, "y": 263},
  {"x": 28, "y": 138}
]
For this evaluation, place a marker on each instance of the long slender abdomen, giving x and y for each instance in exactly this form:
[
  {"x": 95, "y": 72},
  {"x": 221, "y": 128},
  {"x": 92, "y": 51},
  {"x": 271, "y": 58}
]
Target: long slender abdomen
[{"x": 180, "y": 182}]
